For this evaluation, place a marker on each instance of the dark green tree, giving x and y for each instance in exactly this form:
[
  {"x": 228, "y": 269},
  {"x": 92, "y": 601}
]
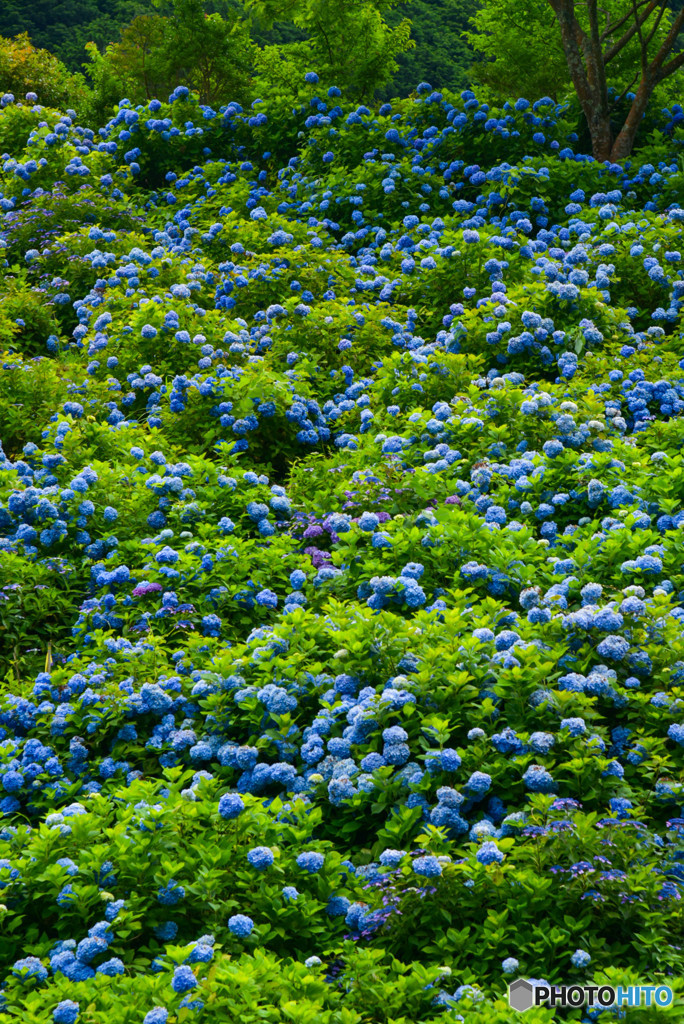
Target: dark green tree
[
  {"x": 211, "y": 54},
  {"x": 214, "y": 55},
  {"x": 64, "y": 26},
  {"x": 442, "y": 54},
  {"x": 349, "y": 43},
  {"x": 517, "y": 50}
]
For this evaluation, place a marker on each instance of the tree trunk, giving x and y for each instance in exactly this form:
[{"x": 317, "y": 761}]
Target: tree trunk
[
  {"x": 601, "y": 135},
  {"x": 583, "y": 55},
  {"x": 587, "y": 67}
]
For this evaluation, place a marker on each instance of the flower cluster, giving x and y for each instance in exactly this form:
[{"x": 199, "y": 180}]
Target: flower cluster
[{"x": 340, "y": 523}]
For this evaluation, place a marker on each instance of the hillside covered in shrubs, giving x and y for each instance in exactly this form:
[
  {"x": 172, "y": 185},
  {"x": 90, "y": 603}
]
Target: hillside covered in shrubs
[{"x": 341, "y": 560}]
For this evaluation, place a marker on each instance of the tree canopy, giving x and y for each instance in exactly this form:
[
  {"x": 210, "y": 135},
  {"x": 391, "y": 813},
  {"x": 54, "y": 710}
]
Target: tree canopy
[
  {"x": 348, "y": 42},
  {"x": 25, "y": 68},
  {"x": 442, "y": 54},
  {"x": 65, "y": 26}
]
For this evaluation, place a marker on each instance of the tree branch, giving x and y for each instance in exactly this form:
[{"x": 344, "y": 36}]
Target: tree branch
[
  {"x": 574, "y": 42},
  {"x": 592, "y": 11},
  {"x": 624, "y": 92},
  {"x": 621, "y": 21},
  {"x": 668, "y": 69},
  {"x": 631, "y": 31},
  {"x": 596, "y": 71},
  {"x": 668, "y": 43},
  {"x": 643, "y": 47},
  {"x": 656, "y": 24}
]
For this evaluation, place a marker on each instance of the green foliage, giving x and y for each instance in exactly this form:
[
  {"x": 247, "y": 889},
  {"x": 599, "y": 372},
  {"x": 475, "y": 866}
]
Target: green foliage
[
  {"x": 442, "y": 55},
  {"x": 26, "y": 319},
  {"x": 65, "y": 27},
  {"x": 23, "y": 69},
  {"x": 518, "y": 49},
  {"x": 210, "y": 54},
  {"x": 130, "y": 67},
  {"x": 127, "y": 48},
  {"x": 349, "y": 43}
]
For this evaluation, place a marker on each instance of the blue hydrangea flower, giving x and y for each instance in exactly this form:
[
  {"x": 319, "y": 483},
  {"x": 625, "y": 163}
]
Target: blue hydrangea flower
[
  {"x": 310, "y": 861},
  {"x": 337, "y": 906},
  {"x": 167, "y": 931},
  {"x": 261, "y": 857},
  {"x": 183, "y": 979},
  {"x": 297, "y": 579},
  {"x": 613, "y": 647},
  {"x": 66, "y": 1012},
  {"x": 427, "y": 865},
  {"x": 538, "y": 780},
  {"x": 170, "y": 894},
  {"x": 489, "y": 853},
  {"x": 240, "y": 925},
  {"x": 479, "y": 783},
  {"x": 29, "y": 968},
  {"x": 676, "y": 733},
  {"x": 391, "y": 858},
  {"x": 575, "y": 726},
  {"x": 111, "y": 968},
  {"x": 156, "y": 1016},
  {"x": 89, "y": 948},
  {"x": 580, "y": 958},
  {"x": 231, "y": 805}
]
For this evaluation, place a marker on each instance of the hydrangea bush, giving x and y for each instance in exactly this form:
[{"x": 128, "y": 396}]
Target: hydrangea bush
[{"x": 341, "y": 561}]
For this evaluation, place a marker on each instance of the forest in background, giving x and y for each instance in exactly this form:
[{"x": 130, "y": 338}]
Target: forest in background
[
  {"x": 88, "y": 54},
  {"x": 441, "y": 54}
]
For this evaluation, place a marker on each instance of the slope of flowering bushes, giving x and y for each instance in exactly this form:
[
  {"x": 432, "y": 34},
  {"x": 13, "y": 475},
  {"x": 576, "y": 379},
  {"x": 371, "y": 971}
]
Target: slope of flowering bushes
[{"x": 341, "y": 562}]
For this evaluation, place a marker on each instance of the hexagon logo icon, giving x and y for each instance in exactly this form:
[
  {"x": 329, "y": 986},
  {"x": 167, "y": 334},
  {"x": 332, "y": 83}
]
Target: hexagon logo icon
[{"x": 521, "y": 994}]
